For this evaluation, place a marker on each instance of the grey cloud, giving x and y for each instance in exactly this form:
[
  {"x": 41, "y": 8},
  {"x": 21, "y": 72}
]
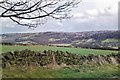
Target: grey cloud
[{"x": 105, "y": 19}]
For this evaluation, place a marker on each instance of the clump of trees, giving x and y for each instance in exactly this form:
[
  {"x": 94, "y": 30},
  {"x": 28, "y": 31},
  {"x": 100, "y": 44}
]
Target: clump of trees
[
  {"x": 7, "y": 43},
  {"x": 30, "y": 58}
]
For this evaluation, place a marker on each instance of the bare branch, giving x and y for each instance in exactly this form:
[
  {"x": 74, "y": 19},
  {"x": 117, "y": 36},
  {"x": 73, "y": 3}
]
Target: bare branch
[{"x": 20, "y": 10}]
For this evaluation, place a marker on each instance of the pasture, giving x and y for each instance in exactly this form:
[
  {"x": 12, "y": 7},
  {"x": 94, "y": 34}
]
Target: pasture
[{"x": 80, "y": 51}]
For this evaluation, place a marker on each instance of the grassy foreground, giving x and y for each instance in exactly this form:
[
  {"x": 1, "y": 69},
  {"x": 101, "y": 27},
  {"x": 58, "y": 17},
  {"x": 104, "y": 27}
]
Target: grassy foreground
[
  {"x": 84, "y": 71},
  {"x": 81, "y": 51}
]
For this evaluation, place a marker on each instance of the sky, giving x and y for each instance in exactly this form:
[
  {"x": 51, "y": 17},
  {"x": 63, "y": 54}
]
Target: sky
[{"x": 90, "y": 15}]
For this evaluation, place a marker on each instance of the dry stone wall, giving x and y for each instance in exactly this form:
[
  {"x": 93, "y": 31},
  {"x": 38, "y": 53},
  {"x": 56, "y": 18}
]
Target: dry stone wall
[{"x": 26, "y": 58}]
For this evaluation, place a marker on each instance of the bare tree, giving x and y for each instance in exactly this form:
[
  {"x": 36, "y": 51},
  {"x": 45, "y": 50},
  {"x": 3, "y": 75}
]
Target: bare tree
[{"x": 32, "y": 13}]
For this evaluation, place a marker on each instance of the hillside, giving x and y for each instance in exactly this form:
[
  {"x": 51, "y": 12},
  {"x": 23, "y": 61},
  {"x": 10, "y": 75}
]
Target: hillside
[
  {"x": 66, "y": 61},
  {"x": 78, "y": 39}
]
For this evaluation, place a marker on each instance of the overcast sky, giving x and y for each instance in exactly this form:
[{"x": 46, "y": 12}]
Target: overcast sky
[{"x": 91, "y": 15}]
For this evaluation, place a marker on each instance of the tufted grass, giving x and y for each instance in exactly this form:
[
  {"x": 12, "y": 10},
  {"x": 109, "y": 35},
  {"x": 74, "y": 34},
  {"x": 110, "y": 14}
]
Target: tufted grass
[{"x": 83, "y": 71}]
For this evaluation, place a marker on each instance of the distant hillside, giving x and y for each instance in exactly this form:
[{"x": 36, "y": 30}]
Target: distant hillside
[{"x": 77, "y": 39}]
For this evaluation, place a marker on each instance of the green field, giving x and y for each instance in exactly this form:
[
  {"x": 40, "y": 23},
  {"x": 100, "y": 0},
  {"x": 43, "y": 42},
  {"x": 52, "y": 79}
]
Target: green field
[
  {"x": 110, "y": 40},
  {"x": 83, "y": 71},
  {"x": 81, "y": 51}
]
